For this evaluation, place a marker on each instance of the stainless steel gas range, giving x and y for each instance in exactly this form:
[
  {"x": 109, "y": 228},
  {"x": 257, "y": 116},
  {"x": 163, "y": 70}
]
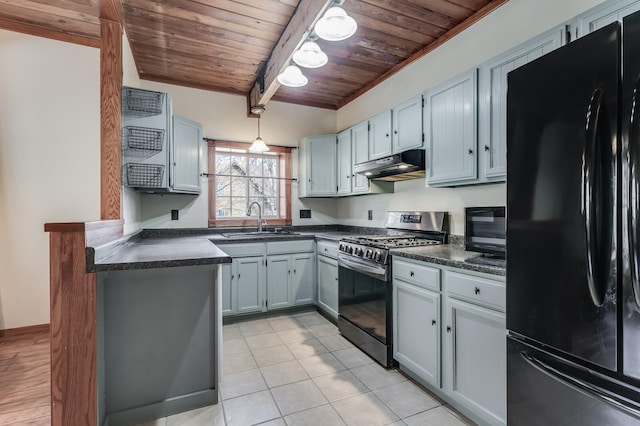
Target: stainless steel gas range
[{"x": 364, "y": 278}]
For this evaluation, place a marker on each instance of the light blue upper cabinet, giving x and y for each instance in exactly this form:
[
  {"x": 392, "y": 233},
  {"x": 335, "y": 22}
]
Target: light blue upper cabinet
[
  {"x": 185, "y": 170},
  {"x": 318, "y": 166},
  {"x": 407, "y": 125},
  {"x": 451, "y": 130},
  {"x": 493, "y": 100},
  {"x": 345, "y": 165},
  {"x": 359, "y": 154},
  {"x": 602, "y": 15},
  {"x": 380, "y": 135}
]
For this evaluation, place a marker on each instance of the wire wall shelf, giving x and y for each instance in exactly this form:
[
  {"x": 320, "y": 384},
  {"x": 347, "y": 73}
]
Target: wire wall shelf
[
  {"x": 141, "y": 141},
  {"x": 143, "y": 175},
  {"x": 141, "y": 103}
]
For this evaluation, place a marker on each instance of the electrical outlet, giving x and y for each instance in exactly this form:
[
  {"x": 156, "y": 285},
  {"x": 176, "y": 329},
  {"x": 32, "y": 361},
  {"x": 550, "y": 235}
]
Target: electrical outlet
[
  {"x": 174, "y": 214},
  {"x": 305, "y": 214},
  {"x": 370, "y": 215}
]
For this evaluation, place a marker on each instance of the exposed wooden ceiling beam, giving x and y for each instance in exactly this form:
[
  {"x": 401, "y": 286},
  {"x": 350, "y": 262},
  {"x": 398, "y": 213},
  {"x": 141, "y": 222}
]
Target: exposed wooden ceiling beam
[{"x": 302, "y": 20}]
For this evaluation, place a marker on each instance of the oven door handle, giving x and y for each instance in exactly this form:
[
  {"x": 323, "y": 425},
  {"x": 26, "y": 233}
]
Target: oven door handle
[{"x": 359, "y": 266}]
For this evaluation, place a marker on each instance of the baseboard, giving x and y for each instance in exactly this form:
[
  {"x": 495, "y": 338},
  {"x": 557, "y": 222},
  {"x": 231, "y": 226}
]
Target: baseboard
[{"x": 31, "y": 329}]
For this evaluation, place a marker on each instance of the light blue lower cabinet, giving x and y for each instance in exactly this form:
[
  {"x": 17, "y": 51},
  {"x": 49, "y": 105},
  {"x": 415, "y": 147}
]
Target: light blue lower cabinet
[
  {"x": 453, "y": 341},
  {"x": 260, "y": 281},
  {"x": 416, "y": 330}
]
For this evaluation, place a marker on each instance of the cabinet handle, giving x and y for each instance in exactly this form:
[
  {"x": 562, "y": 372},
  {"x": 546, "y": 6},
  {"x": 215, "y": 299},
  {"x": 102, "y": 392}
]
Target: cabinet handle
[
  {"x": 289, "y": 271},
  {"x": 348, "y": 176},
  {"x": 336, "y": 279},
  {"x": 470, "y": 151},
  {"x": 309, "y": 180},
  {"x": 411, "y": 273},
  {"x": 325, "y": 249},
  {"x": 477, "y": 290},
  {"x": 395, "y": 132},
  {"x": 238, "y": 276},
  {"x": 486, "y": 148},
  {"x": 294, "y": 271},
  {"x": 433, "y": 322},
  {"x": 448, "y": 329},
  {"x": 232, "y": 277},
  {"x": 387, "y": 134}
]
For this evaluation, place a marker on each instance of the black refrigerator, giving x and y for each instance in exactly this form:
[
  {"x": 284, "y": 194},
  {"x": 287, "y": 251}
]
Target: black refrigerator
[{"x": 573, "y": 237}]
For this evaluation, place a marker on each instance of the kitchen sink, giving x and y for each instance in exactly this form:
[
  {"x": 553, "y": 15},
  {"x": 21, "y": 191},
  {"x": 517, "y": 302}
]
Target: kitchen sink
[{"x": 258, "y": 234}]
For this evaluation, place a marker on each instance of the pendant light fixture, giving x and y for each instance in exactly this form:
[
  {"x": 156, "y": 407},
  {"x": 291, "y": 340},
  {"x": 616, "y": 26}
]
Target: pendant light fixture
[
  {"x": 310, "y": 55},
  {"x": 335, "y": 25},
  {"x": 292, "y": 77},
  {"x": 258, "y": 145}
]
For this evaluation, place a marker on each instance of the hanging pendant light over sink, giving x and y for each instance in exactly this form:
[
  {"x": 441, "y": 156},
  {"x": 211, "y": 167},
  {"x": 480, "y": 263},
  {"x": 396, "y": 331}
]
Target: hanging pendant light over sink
[
  {"x": 335, "y": 25},
  {"x": 258, "y": 145}
]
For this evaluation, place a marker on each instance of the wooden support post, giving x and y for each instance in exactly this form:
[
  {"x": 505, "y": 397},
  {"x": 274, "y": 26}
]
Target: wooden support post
[
  {"x": 110, "y": 118},
  {"x": 73, "y": 325},
  {"x": 73, "y": 329}
]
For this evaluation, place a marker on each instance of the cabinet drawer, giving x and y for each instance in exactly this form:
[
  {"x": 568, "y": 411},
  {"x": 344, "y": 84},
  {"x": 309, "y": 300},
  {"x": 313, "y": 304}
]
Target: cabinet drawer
[
  {"x": 416, "y": 273},
  {"x": 328, "y": 248},
  {"x": 475, "y": 289},
  {"x": 298, "y": 246},
  {"x": 243, "y": 250}
]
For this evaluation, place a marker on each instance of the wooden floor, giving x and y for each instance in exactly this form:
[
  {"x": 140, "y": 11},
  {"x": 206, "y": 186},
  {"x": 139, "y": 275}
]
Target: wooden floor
[{"x": 25, "y": 383}]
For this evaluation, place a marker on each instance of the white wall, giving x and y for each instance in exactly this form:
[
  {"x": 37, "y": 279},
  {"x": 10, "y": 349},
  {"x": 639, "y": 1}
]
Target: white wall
[
  {"x": 49, "y": 161},
  {"x": 224, "y": 117},
  {"x": 511, "y": 24},
  {"x": 130, "y": 201}
]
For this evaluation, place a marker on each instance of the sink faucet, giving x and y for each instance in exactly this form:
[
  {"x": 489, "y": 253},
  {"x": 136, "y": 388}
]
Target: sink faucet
[{"x": 259, "y": 214}]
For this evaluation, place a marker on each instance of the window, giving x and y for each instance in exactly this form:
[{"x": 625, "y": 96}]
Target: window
[{"x": 238, "y": 178}]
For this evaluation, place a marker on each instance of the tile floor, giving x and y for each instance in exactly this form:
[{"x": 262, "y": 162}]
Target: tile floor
[{"x": 298, "y": 370}]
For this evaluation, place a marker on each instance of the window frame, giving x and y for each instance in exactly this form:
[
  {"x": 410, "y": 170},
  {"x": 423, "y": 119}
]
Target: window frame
[{"x": 284, "y": 203}]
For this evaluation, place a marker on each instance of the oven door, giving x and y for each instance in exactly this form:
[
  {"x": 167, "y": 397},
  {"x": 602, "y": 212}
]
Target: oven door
[{"x": 364, "y": 297}]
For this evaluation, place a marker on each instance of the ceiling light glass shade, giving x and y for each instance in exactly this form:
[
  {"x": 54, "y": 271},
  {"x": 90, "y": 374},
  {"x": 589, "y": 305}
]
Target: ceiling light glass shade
[
  {"x": 335, "y": 25},
  {"x": 292, "y": 77},
  {"x": 258, "y": 146},
  {"x": 310, "y": 55}
]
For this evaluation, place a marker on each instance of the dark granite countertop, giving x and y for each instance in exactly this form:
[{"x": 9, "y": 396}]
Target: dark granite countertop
[
  {"x": 156, "y": 252},
  {"x": 221, "y": 239},
  {"x": 454, "y": 256}
]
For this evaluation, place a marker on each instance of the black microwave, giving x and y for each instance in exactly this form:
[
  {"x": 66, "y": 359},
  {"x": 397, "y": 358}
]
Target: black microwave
[{"x": 485, "y": 230}]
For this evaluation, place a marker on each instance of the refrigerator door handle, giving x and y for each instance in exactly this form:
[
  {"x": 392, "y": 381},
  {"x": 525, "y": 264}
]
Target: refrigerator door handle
[
  {"x": 582, "y": 386},
  {"x": 589, "y": 206},
  {"x": 634, "y": 193}
]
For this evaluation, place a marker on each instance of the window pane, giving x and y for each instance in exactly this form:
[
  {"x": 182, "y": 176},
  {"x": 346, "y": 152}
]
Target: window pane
[
  {"x": 238, "y": 187},
  {"x": 223, "y": 206},
  {"x": 239, "y": 207},
  {"x": 255, "y": 166},
  {"x": 270, "y": 188},
  {"x": 256, "y": 187},
  {"x": 223, "y": 162},
  {"x": 270, "y": 207},
  {"x": 239, "y": 165},
  {"x": 270, "y": 167},
  {"x": 223, "y": 186}
]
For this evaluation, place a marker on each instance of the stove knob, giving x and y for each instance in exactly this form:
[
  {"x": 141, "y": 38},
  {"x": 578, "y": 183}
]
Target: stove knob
[
  {"x": 341, "y": 247},
  {"x": 377, "y": 256},
  {"x": 349, "y": 249},
  {"x": 368, "y": 254},
  {"x": 358, "y": 251}
]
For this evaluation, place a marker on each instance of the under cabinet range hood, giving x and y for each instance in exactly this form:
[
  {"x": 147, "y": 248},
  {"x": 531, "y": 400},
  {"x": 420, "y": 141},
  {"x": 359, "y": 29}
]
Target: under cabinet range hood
[{"x": 402, "y": 166}]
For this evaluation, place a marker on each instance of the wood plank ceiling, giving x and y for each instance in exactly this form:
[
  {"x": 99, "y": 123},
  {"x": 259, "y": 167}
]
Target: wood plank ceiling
[{"x": 221, "y": 45}]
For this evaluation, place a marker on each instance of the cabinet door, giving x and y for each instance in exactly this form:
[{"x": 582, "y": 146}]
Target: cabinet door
[
  {"x": 304, "y": 278},
  {"x": 344, "y": 162},
  {"x": 493, "y": 99},
  {"x": 226, "y": 281},
  {"x": 380, "y": 135},
  {"x": 328, "y": 285},
  {"x": 250, "y": 284},
  {"x": 475, "y": 359},
  {"x": 451, "y": 130},
  {"x": 416, "y": 330},
  {"x": 321, "y": 163},
  {"x": 185, "y": 164},
  {"x": 407, "y": 125},
  {"x": 360, "y": 154},
  {"x": 604, "y": 14},
  {"x": 278, "y": 281}
]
